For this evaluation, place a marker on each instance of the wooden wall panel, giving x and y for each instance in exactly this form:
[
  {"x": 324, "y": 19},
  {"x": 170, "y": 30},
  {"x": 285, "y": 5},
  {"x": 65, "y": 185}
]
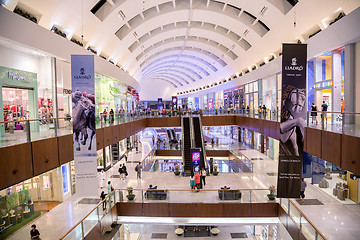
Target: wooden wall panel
[
  {"x": 331, "y": 147},
  {"x": 220, "y": 120},
  {"x": 231, "y": 120},
  {"x": 207, "y": 120},
  {"x": 66, "y": 149},
  {"x": 305, "y": 145},
  {"x": 236, "y": 209},
  {"x": 127, "y": 129},
  {"x": 173, "y": 122},
  {"x": 350, "y": 153},
  {"x": 45, "y": 155},
  {"x": 267, "y": 128},
  {"x": 116, "y": 133},
  {"x": 99, "y": 138},
  {"x": 264, "y": 209},
  {"x": 160, "y": 122},
  {"x": 129, "y": 209},
  {"x": 156, "y": 209},
  {"x": 313, "y": 141},
  {"x": 217, "y": 153},
  {"x": 122, "y": 131},
  {"x": 209, "y": 210},
  {"x": 15, "y": 162},
  {"x": 108, "y": 136},
  {"x": 239, "y": 120},
  {"x": 168, "y": 153},
  {"x": 182, "y": 210},
  {"x": 274, "y": 130},
  {"x": 150, "y": 122}
]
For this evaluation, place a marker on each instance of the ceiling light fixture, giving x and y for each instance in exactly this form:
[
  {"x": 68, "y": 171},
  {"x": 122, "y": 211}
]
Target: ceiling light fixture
[
  {"x": 122, "y": 15},
  {"x": 263, "y": 10}
]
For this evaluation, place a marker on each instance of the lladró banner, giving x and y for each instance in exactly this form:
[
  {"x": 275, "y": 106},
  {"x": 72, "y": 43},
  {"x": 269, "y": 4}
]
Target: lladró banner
[
  {"x": 293, "y": 113},
  {"x": 84, "y": 134}
]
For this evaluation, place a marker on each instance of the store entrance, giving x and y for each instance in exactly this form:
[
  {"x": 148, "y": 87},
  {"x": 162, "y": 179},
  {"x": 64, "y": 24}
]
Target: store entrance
[{"x": 15, "y": 106}]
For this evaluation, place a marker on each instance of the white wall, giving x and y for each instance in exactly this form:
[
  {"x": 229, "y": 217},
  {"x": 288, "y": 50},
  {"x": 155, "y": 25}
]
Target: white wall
[
  {"x": 30, "y": 35},
  {"x": 154, "y": 89}
]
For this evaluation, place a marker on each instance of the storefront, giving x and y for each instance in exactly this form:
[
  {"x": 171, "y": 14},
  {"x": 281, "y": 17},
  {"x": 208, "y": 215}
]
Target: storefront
[
  {"x": 269, "y": 92},
  {"x": 219, "y": 100},
  {"x": 26, "y": 86},
  {"x": 252, "y": 95},
  {"x": 336, "y": 182},
  {"x": 326, "y": 81},
  {"x": 110, "y": 94},
  {"x": 104, "y": 159}
]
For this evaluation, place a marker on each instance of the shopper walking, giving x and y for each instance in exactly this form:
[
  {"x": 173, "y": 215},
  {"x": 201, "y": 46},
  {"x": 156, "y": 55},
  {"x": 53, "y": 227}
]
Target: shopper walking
[
  {"x": 138, "y": 170},
  {"x": 120, "y": 170},
  {"x": 124, "y": 171},
  {"x": 104, "y": 114},
  {"x": 313, "y": 113},
  {"x": 197, "y": 178},
  {"x": 324, "y": 108},
  {"x": 153, "y": 140},
  {"x": 192, "y": 181},
  {"x": 203, "y": 176},
  {"x": 126, "y": 156},
  {"x": 303, "y": 186},
  {"x": 110, "y": 187},
  {"x": 111, "y": 117},
  {"x": 102, "y": 179},
  {"x": 102, "y": 197},
  {"x": 211, "y": 164},
  {"x": 34, "y": 233}
]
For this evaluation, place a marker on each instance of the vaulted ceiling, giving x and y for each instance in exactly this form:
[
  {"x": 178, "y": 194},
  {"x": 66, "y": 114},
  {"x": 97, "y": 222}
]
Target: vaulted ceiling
[{"x": 178, "y": 45}]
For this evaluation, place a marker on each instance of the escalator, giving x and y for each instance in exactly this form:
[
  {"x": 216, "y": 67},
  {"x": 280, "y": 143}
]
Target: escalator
[
  {"x": 186, "y": 146},
  {"x": 198, "y": 140},
  {"x": 171, "y": 135}
]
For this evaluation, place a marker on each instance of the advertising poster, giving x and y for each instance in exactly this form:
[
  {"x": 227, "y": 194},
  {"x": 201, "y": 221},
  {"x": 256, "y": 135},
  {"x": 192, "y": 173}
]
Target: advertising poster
[
  {"x": 293, "y": 113},
  {"x": 84, "y": 135},
  {"x": 174, "y": 103}
]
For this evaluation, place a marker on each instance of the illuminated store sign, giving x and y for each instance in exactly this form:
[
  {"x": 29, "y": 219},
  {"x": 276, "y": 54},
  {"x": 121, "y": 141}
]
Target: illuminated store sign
[
  {"x": 15, "y": 77},
  {"x": 325, "y": 84},
  {"x": 114, "y": 91}
]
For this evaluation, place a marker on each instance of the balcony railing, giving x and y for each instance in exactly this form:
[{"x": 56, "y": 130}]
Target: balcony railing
[
  {"x": 22, "y": 131},
  {"x": 307, "y": 228}
]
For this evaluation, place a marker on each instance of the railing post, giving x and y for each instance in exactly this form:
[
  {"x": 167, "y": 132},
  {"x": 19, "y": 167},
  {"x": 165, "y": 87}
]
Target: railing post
[
  {"x": 28, "y": 135},
  {"x": 82, "y": 230}
]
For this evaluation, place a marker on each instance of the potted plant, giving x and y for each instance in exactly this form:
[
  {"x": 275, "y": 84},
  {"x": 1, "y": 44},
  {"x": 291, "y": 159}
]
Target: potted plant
[
  {"x": 271, "y": 195},
  {"x": 215, "y": 172},
  {"x": 177, "y": 170},
  {"x": 130, "y": 195}
]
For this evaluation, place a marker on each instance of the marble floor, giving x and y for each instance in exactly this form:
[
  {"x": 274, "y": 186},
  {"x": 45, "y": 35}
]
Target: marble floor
[{"x": 334, "y": 219}]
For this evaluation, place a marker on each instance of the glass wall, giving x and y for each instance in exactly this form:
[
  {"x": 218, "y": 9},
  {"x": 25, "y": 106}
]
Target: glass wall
[
  {"x": 26, "y": 89},
  {"x": 110, "y": 93}
]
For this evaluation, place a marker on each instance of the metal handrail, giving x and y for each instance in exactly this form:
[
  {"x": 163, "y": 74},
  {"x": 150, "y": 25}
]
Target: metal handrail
[
  {"x": 307, "y": 219},
  {"x": 168, "y": 190}
]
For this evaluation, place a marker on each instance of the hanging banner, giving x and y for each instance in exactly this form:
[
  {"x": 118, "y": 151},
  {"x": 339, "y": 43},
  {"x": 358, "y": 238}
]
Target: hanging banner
[
  {"x": 84, "y": 135},
  {"x": 293, "y": 113}
]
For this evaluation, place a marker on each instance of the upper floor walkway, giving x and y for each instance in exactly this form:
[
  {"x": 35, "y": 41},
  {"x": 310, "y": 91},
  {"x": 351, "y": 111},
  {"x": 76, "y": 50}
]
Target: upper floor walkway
[{"x": 44, "y": 144}]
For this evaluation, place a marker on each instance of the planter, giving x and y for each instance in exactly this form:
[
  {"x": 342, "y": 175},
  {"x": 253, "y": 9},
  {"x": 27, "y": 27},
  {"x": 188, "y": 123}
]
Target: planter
[
  {"x": 215, "y": 231},
  {"x": 130, "y": 197},
  {"x": 179, "y": 232},
  {"x": 177, "y": 173},
  {"x": 271, "y": 198},
  {"x": 215, "y": 173}
]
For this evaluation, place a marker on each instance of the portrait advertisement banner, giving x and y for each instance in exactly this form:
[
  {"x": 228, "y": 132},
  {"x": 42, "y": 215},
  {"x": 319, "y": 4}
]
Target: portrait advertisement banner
[
  {"x": 292, "y": 124},
  {"x": 84, "y": 134}
]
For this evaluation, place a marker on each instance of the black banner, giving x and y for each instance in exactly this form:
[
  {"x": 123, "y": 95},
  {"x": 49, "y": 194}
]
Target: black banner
[{"x": 293, "y": 113}]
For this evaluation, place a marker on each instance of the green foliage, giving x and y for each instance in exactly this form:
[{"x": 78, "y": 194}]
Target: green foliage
[
  {"x": 3, "y": 202},
  {"x": 23, "y": 197},
  {"x": 12, "y": 201}
]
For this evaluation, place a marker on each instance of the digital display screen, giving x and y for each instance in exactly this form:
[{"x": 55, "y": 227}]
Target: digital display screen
[
  {"x": 196, "y": 158},
  {"x": 65, "y": 174},
  {"x": 174, "y": 103}
]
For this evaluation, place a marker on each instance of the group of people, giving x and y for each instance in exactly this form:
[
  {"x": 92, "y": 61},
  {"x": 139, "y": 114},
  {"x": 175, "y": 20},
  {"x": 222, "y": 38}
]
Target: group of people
[
  {"x": 314, "y": 111},
  {"x": 197, "y": 181}
]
